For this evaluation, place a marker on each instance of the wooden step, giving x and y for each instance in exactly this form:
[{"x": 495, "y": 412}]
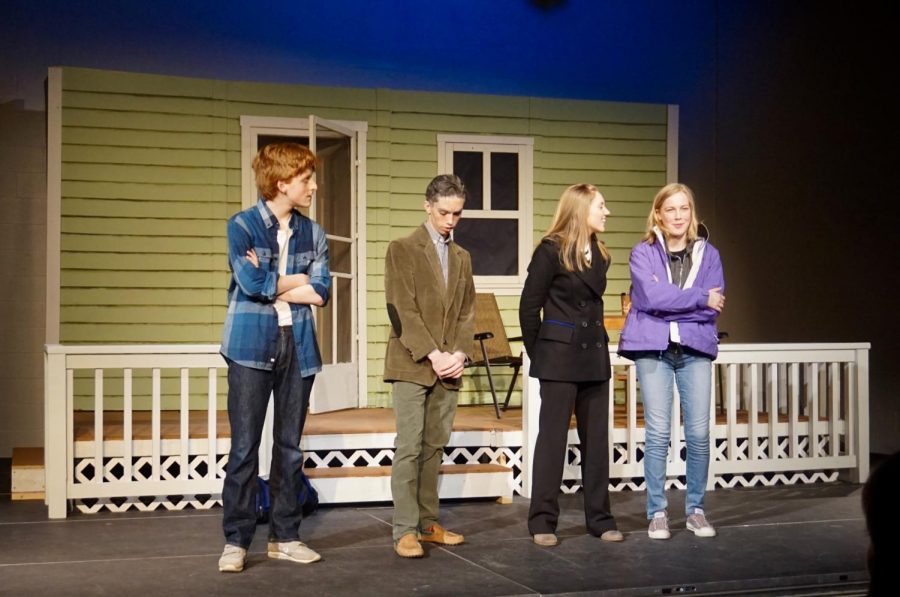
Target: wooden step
[
  {"x": 28, "y": 474},
  {"x": 385, "y": 471},
  {"x": 373, "y": 483}
]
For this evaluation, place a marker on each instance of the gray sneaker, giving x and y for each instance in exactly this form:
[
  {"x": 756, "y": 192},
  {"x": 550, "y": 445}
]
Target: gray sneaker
[
  {"x": 232, "y": 559},
  {"x": 659, "y": 526},
  {"x": 698, "y": 524},
  {"x": 295, "y": 551}
]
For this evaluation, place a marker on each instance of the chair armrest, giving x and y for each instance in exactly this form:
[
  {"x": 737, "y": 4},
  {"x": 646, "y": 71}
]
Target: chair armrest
[
  {"x": 484, "y": 336},
  {"x": 515, "y": 339}
]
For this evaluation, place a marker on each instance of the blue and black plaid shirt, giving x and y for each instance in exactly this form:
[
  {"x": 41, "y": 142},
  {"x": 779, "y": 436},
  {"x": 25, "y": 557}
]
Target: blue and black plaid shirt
[{"x": 251, "y": 324}]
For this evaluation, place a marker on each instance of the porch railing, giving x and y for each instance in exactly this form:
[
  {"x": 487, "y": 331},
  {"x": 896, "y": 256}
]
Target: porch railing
[
  {"x": 127, "y": 467},
  {"x": 783, "y": 411}
]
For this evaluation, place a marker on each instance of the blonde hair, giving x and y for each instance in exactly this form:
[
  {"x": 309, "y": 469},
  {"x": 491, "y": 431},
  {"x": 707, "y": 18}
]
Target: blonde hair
[
  {"x": 664, "y": 193},
  {"x": 278, "y": 162},
  {"x": 570, "y": 229}
]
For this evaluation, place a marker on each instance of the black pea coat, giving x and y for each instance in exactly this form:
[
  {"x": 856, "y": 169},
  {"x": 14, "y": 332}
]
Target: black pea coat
[{"x": 569, "y": 343}]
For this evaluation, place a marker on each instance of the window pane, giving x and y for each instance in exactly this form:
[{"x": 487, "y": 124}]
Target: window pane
[
  {"x": 339, "y": 256},
  {"x": 264, "y": 140},
  {"x": 344, "y": 306},
  {"x": 468, "y": 165},
  {"x": 338, "y": 312},
  {"x": 333, "y": 172},
  {"x": 505, "y": 181},
  {"x": 494, "y": 245}
]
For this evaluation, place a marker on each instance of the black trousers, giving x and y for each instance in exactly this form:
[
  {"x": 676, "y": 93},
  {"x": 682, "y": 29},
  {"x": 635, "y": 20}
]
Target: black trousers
[{"x": 590, "y": 403}]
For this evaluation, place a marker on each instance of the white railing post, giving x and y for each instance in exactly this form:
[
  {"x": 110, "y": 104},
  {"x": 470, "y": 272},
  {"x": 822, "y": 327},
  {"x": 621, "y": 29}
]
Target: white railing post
[
  {"x": 713, "y": 424},
  {"x": 631, "y": 401},
  {"x": 531, "y": 415},
  {"x": 212, "y": 419},
  {"x": 753, "y": 427},
  {"x": 56, "y": 448},
  {"x": 267, "y": 440},
  {"x": 861, "y": 422},
  {"x": 792, "y": 374}
]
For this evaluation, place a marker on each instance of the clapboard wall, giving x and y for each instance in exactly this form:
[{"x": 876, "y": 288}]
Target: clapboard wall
[{"x": 151, "y": 170}]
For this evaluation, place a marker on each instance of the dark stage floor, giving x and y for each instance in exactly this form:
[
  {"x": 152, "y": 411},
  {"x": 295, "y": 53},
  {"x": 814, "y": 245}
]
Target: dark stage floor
[{"x": 798, "y": 540}]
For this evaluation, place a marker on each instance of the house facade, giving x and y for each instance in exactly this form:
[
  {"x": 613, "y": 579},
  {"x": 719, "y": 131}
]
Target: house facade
[{"x": 144, "y": 170}]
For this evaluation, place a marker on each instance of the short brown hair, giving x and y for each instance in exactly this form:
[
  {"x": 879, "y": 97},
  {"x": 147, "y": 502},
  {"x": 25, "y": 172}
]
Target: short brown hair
[
  {"x": 445, "y": 185},
  {"x": 280, "y": 161}
]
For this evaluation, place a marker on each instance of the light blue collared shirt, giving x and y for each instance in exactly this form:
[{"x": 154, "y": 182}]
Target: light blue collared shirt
[{"x": 441, "y": 245}]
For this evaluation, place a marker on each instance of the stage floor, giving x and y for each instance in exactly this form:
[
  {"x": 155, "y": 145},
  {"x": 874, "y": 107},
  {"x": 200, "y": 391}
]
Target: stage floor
[{"x": 789, "y": 540}]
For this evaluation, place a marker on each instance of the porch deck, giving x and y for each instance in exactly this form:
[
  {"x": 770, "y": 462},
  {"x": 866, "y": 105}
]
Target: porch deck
[{"x": 348, "y": 422}]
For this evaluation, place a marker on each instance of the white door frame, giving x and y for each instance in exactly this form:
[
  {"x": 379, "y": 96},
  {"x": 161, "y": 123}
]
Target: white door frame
[{"x": 251, "y": 127}]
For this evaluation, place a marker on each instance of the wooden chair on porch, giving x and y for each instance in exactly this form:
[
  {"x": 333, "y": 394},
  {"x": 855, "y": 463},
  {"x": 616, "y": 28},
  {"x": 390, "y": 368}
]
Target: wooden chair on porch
[{"x": 491, "y": 348}]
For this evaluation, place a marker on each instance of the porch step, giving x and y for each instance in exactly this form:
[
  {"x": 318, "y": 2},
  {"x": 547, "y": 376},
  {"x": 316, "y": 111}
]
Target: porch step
[
  {"x": 27, "y": 474},
  {"x": 373, "y": 483}
]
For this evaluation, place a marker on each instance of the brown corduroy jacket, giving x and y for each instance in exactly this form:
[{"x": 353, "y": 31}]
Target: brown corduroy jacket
[{"x": 425, "y": 314}]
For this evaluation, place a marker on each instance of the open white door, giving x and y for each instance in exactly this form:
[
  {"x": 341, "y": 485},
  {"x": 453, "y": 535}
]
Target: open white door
[
  {"x": 334, "y": 208},
  {"x": 339, "y": 149}
]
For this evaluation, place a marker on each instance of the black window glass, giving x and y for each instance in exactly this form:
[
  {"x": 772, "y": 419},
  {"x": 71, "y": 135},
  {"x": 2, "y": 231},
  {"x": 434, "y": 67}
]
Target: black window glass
[
  {"x": 493, "y": 244},
  {"x": 468, "y": 165},
  {"x": 504, "y": 181}
]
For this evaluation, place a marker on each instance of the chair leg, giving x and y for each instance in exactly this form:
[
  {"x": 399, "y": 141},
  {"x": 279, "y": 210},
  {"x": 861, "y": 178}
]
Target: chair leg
[
  {"x": 487, "y": 366},
  {"x": 512, "y": 384}
]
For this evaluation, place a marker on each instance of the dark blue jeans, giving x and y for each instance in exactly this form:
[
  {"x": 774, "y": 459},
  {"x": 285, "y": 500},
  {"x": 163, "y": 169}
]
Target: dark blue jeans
[{"x": 248, "y": 397}]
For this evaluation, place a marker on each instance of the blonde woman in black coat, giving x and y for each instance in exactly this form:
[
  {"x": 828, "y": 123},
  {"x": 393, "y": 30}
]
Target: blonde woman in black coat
[{"x": 561, "y": 315}]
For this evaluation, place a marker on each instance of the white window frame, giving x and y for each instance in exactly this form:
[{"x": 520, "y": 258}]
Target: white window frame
[{"x": 524, "y": 147}]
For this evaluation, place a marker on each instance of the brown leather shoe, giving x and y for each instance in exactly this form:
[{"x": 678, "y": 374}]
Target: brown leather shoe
[
  {"x": 438, "y": 534},
  {"x": 408, "y": 547}
]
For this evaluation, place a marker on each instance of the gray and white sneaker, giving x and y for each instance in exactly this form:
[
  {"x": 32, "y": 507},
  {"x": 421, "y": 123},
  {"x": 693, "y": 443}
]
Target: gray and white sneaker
[
  {"x": 295, "y": 551},
  {"x": 659, "y": 526},
  {"x": 232, "y": 559},
  {"x": 697, "y": 523}
]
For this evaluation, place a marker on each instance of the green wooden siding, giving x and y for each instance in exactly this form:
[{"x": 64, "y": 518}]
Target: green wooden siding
[{"x": 151, "y": 170}]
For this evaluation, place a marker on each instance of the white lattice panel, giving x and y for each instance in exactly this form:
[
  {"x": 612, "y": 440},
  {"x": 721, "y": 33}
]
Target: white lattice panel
[
  {"x": 718, "y": 453},
  {"x": 170, "y": 470}
]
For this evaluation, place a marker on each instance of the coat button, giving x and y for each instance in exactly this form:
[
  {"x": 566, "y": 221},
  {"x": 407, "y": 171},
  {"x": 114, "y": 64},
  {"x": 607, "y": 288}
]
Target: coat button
[
  {"x": 584, "y": 324},
  {"x": 598, "y": 322},
  {"x": 581, "y": 303},
  {"x": 599, "y": 344},
  {"x": 584, "y": 345}
]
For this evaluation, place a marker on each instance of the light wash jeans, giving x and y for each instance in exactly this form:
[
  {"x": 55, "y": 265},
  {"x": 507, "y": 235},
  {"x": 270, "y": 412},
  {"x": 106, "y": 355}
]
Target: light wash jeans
[{"x": 691, "y": 371}]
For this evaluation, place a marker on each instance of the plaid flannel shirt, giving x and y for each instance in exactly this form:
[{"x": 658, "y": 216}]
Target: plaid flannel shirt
[{"x": 251, "y": 324}]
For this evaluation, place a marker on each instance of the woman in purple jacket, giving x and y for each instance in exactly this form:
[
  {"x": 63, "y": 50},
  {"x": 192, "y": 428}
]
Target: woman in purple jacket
[{"x": 670, "y": 333}]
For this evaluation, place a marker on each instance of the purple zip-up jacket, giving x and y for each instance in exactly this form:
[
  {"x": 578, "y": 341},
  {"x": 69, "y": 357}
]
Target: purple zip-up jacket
[{"x": 656, "y": 301}]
